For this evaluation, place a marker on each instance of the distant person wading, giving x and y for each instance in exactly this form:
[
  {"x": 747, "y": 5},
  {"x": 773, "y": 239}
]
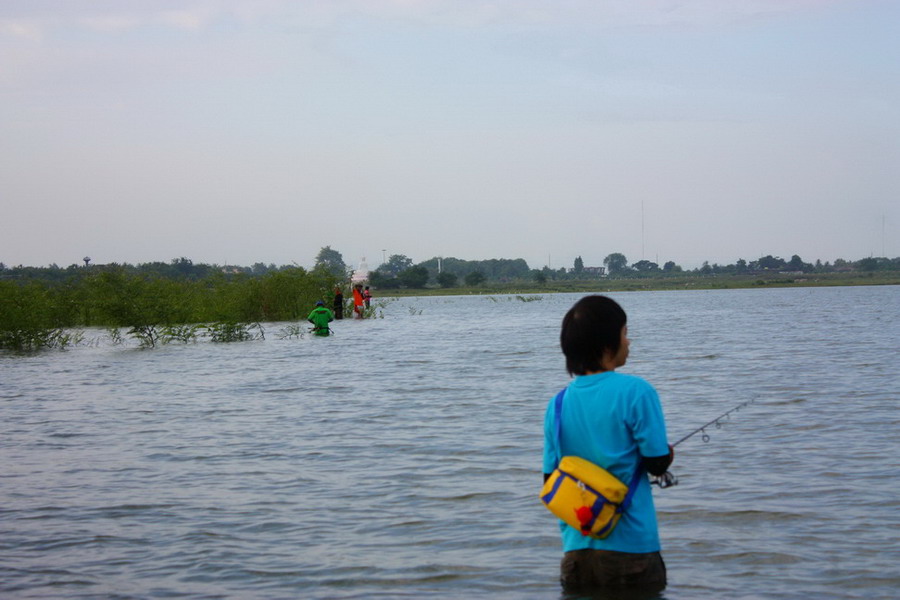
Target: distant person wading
[
  {"x": 358, "y": 301},
  {"x": 338, "y": 303},
  {"x": 320, "y": 317}
]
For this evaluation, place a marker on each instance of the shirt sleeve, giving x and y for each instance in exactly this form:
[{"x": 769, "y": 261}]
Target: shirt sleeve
[{"x": 648, "y": 424}]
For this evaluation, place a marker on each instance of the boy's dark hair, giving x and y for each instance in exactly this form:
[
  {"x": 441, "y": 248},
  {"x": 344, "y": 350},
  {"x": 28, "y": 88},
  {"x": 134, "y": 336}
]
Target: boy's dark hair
[{"x": 591, "y": 327}]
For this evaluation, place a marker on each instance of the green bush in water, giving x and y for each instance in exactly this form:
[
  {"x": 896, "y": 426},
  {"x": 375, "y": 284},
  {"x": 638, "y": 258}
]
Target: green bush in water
[
  {"x": 31, "y": 319},
  {"x": 154, "y": 309},
  {"x": 235, "y": 332}
]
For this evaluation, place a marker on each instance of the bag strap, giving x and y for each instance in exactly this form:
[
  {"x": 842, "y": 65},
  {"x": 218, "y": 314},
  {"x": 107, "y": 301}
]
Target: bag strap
[
  {"x": 631, "y": 488},
  {"x": 557, "y": 409}
]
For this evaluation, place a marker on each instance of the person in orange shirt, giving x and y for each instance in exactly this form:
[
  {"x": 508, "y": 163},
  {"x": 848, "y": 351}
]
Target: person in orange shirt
[{"x": 358, "y": 300}]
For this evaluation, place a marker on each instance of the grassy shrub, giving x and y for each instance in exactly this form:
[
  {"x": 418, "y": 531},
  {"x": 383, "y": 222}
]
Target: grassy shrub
[
  {"x": 235, "y": 332},
  {"x": 180, "y": 333},
  {"x": 154, "y": 309},
  {"x": 32, "y": 317},
  {"x": 146, "y": 306},
  {"x": 290, "y": 294},
  {"x": 124, "y": 300}
]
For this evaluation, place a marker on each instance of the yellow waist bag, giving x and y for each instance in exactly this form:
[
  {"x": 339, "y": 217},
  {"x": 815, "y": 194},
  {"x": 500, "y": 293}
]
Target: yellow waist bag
[{"x": 586, "y": 497}]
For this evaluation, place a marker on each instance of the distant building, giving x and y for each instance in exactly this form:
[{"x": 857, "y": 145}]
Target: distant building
[{"x": 361, "y": 275}]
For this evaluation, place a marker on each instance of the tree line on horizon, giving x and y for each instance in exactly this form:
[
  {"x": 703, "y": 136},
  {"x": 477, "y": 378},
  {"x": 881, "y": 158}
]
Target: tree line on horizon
[
  {"x": 399, "y": 271},
  {"x": 180, "y": 300}
]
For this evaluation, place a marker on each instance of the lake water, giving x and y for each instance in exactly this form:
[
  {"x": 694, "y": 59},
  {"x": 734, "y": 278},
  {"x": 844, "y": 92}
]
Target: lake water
[{"x": 401, "y": 457}]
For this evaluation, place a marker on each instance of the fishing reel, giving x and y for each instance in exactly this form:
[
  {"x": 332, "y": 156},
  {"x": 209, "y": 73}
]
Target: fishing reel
[{"x": 665, "y": 480}]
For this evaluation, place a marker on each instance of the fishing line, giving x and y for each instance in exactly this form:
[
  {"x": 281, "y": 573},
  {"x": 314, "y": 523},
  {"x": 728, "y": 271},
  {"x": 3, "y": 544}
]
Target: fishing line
[{"x": 667, "y": 479}]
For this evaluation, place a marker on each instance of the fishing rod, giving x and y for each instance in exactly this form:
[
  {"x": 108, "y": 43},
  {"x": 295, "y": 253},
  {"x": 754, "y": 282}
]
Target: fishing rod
[
  {"x": 717, "y": 422},
  {"x": 667, "y": 479},
  {"x": 315, "y": 329}
]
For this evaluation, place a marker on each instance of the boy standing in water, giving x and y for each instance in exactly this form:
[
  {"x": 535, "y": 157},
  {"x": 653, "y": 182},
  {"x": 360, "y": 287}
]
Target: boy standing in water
[{"x": 616, "y": 422}]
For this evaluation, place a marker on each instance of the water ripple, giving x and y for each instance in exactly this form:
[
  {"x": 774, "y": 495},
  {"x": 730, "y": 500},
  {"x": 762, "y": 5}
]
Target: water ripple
[{"x": 315, "y": 470}]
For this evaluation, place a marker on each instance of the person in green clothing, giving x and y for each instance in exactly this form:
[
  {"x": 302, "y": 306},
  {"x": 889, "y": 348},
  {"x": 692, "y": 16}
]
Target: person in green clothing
[{"x": 320, "y": 317}]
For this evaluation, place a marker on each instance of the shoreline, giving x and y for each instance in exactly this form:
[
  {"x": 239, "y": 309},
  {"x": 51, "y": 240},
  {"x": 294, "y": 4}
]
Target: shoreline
[{"x": 654, "y": 284}]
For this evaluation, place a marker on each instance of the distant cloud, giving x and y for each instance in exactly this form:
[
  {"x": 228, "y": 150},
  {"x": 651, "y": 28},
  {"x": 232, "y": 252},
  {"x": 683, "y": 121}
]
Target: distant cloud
[
  {"x": 110, "y": 23},
  {"x": 30, "y": 21},
  {"x": 614, "y": 13},
  {"x": 35, "y": 21},
  {"x": 192, "y": 19},
  {"x": 20, "y": 28}
]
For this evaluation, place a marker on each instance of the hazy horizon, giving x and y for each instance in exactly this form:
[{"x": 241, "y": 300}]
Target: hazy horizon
[{"x": 372, "y": 265}]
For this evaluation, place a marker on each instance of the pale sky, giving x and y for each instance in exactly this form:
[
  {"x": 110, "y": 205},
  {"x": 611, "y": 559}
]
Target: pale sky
[{"x": 241, "y": 132}]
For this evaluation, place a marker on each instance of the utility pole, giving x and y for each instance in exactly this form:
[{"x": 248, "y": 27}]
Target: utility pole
[{"x": 642, "y": 229}]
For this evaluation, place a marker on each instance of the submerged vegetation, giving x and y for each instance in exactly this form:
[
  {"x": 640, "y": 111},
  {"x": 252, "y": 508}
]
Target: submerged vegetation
[
  {"x": 154, "y": 308},
  {"x": 236, "y": 332}
]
